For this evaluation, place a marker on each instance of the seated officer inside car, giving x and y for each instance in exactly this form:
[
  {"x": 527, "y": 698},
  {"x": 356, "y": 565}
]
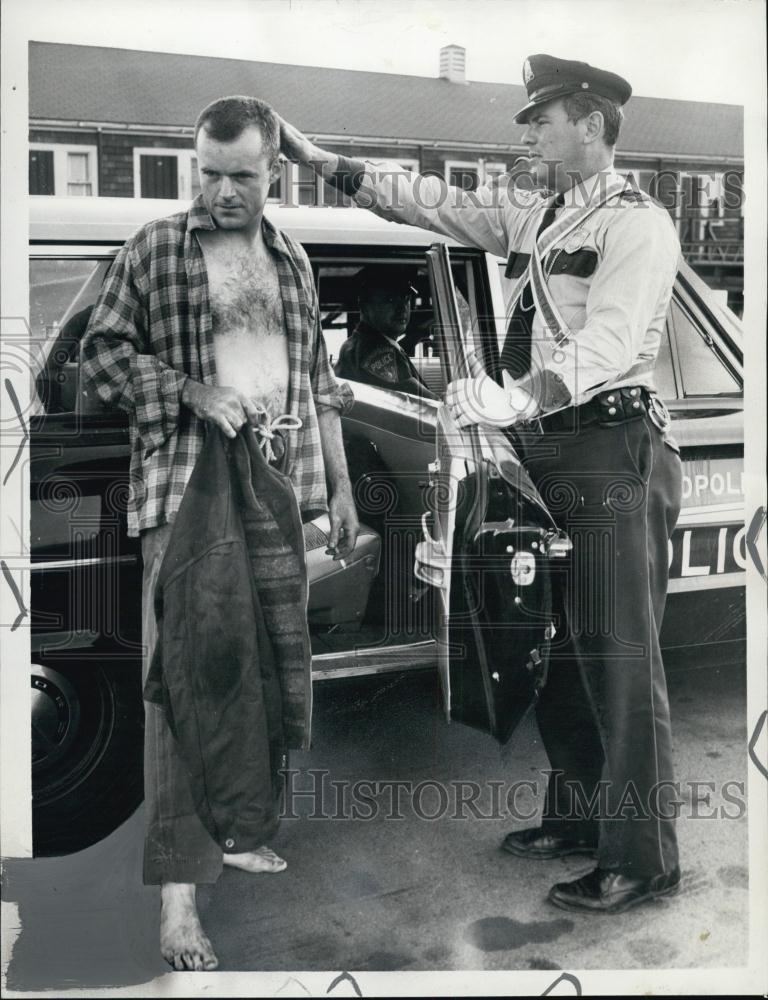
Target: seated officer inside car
[
  {"x": 372, "y": 354},
  {"x": 592, "y": 267}
]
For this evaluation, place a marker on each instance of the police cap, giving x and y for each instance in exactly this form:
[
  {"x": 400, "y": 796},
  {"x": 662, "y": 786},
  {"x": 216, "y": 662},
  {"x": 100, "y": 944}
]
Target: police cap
[
  {"x": 547, "y": 77},
  {"x": 385, "y": 278}
]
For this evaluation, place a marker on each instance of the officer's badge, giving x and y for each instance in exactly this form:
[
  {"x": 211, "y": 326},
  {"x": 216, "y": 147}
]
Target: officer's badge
[
  {"x": 659, "y": 413},
  {"x": 527, "y": 72},
  {"x": 575, "y": 241}
]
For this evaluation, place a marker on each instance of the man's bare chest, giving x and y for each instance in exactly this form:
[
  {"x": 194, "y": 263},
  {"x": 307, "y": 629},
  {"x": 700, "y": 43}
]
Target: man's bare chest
[{"x": 244, "y": 291}]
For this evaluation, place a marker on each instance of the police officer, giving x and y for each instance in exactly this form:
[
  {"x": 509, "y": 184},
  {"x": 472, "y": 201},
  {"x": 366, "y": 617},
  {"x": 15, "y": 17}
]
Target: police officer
[
  {"x": 372, "y": 353},
  {"x": 591, "y": 266}
]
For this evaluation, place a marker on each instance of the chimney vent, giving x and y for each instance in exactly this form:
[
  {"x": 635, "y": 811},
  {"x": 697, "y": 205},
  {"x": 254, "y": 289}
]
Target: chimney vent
[{"x": 453, "y": 63}]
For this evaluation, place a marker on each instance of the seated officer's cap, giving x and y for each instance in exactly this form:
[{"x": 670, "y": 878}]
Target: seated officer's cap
[
  {"x": 546, "y": 78},
  {"x": 385, "y": 278}
]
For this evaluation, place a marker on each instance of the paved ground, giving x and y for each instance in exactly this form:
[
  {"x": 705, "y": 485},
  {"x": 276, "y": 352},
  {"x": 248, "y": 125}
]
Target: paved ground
[{"x": 411, "y": 893}]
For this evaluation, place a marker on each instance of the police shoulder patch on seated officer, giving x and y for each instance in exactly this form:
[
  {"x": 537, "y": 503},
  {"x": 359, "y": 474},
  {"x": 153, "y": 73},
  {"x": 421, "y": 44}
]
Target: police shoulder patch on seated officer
[{"x": 382, "y": 363}]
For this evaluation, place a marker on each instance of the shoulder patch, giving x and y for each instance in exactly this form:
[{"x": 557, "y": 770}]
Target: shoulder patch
[{"x": 382, "y": 364}]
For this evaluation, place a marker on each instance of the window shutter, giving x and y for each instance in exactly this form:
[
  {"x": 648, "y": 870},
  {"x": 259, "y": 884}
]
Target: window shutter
[
  {"x": 41, "y": 171},
  {"x": 159, "y": 177}
]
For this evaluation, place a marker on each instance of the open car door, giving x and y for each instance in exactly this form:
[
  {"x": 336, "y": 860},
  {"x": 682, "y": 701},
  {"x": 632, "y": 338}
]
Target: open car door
[{"x": 489, "y": 551}]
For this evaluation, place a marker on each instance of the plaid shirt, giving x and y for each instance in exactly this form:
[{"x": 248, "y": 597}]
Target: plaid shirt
[{"x": 151, "y": 329}]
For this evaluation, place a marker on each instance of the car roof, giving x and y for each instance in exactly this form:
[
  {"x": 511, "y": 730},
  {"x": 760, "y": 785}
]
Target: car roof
[{"x": 100, "y": 220}]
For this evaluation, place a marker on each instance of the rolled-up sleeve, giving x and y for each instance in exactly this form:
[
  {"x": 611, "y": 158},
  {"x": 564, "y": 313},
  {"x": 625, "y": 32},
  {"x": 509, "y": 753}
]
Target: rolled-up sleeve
[
  {"x": 116, "y": 362},
  {"x": 327, "y": 391}
]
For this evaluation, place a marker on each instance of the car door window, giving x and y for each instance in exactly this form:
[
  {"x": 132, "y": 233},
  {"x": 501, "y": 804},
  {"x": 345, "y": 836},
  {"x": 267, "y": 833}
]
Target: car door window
[
  {"x": 338, "y": 307},
  {"x": 338, "y": 285},
  {"x": 701, "y": 372},
  {"x": 62, "y": 293},
  {"x": 338, "y": 289}
]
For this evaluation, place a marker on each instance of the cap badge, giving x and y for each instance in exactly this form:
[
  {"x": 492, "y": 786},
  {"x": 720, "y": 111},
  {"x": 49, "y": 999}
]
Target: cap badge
[{"x": 527, "y": 72}]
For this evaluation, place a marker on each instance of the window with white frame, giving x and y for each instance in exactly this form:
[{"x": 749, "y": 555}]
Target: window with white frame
[
  {"x": 700, "y": 198},
  {"x": 464, "y": 174},
  {"x": 278, "y": 189},
  {"x": 63, "y": 169},
  {"x": 165, "y": 173},
  {"x": 298, "y": 184},
  {"x": 491, "y": 169},
  {"x": 471, "y": 174}
]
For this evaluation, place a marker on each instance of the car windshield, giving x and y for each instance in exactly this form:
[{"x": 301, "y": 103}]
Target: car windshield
[{"x": 62, "y": 293}]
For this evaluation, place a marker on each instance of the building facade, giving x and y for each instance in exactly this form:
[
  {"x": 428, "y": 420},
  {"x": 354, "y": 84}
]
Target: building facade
[{"x": 119, "y": 122}]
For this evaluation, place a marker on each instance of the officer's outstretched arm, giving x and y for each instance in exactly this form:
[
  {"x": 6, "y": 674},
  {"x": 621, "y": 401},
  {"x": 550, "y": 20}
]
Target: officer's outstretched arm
[{"x": 476, "y": 218}]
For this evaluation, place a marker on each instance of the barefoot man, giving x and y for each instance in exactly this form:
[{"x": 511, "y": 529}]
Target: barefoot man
[{"x": 211, "y": 316}]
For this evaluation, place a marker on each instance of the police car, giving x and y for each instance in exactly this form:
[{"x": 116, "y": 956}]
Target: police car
[{"x": 421, "y": 487}]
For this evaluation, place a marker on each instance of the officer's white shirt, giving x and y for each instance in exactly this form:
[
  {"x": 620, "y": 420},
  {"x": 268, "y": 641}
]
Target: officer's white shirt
[{"x": 615, "y": 315}]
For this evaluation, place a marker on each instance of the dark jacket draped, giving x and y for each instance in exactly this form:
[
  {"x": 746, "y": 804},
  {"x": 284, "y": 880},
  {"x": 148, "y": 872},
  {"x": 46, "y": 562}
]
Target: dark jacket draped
[{"x": 232, "y": 667}]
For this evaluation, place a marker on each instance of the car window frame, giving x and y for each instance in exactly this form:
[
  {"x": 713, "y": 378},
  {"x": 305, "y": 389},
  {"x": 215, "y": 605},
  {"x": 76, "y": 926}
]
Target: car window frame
[
  {"x": 704, "y": 320},
  {"x": 482, "y": 311},
  {"x": 93, "y": 254},
  {"x": 71, "y": 422}
]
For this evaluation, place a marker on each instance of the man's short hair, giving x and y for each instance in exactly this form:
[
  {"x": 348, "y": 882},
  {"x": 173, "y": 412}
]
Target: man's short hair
[
  {"x": 227, "y": 118},
  {"x": 578, "y": 106}
]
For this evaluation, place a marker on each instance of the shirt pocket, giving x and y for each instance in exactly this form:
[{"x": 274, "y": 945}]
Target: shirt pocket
[{"x": 579, "y": 264}]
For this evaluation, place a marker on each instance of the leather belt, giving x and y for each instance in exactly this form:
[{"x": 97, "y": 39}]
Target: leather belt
[{"x": 608, "y": 408}]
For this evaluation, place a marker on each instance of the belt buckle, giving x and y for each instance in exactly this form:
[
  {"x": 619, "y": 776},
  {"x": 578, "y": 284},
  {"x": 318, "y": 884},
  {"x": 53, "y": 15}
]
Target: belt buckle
[{"x": 659, "y": 413}]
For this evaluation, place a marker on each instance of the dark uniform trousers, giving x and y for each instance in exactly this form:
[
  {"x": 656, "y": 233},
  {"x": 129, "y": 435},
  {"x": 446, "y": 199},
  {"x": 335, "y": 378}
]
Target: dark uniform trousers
[{"x": 604, "y": 713}]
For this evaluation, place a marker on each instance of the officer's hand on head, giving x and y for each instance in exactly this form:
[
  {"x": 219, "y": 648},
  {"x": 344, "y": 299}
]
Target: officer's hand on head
[
  {"x": 482, "y": 401},
  {"x": 294, "y": 144}
]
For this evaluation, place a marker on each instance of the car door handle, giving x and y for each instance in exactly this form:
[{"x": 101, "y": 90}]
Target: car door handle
[{"x": 432, "y": 564}]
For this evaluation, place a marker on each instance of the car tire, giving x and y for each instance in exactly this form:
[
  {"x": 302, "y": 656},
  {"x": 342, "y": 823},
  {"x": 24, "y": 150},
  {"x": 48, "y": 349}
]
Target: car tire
[{"x": 87, "y": 752}]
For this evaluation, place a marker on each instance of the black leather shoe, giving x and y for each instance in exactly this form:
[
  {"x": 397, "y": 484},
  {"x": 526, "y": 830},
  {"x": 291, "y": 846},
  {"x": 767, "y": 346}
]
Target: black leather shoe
[
  {"x": 539, "y": 845},
  {"x": 604, "y": 891}
]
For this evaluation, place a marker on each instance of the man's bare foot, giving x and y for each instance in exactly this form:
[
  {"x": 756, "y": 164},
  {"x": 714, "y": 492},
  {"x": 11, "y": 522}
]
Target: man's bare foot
[
  {"x": 182, "y": 941},
  {"x": 263, "y": 859}
]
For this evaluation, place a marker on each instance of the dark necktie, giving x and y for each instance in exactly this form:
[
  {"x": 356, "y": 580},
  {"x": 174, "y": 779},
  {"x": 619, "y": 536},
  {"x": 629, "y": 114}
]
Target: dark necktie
[{"x": 516, "y": 353}]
